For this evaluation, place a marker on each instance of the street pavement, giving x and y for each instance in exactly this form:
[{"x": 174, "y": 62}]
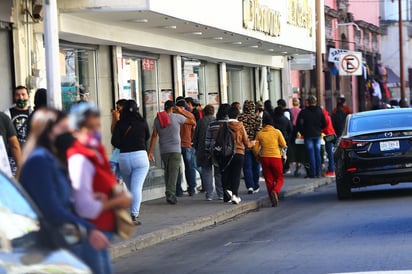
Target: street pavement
[
  {"x": 308, "y": 233},
  {"x": 161, "y": 221}
]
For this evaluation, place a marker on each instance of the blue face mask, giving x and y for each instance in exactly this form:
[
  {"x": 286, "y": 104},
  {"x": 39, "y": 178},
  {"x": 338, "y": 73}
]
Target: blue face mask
[
  {"x": 94, "y": 139},
  {"x": 187, "y": 108}
]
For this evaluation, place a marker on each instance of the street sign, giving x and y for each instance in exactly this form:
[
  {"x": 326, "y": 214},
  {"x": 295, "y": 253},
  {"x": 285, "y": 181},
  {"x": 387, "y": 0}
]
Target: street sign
[
  {"x": 334, "y": 54},
  {"x": 350, "y": 64}
]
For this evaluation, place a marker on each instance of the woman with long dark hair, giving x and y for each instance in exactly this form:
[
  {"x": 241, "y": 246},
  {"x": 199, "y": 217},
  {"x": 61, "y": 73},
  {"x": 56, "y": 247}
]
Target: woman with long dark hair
[
  {"x": 45, "y": 177},
  {"x": 130, "y": 135}
]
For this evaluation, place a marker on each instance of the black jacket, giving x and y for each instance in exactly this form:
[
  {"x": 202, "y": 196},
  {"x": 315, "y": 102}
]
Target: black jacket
[
  {"x": 284, "y": 125},
  {"x": 311, "y": 121},
  {"x": 131, "y": 135}
]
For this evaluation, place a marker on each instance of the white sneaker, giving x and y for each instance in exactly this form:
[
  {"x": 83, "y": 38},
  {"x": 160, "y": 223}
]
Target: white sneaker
[
  {"x": 256, "y": 190},
  {"x": 229, "y": 193},
  {"x": 250, "y": 190},
  {"x": 236, "y": 200}
]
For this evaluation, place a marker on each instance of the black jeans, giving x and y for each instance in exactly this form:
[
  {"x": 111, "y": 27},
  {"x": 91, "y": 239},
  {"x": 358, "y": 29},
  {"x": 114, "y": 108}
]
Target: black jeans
[{"x": 231, "y": 176}]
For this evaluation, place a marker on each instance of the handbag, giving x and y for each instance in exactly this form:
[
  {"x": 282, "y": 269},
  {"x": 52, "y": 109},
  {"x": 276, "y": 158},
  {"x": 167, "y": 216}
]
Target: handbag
[
  {"x": 330, "y": 138},
  {"x": 124, "y": 224}
]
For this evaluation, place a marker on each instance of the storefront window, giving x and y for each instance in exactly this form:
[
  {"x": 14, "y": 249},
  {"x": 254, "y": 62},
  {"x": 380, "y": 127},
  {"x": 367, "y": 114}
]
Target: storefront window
[
  {"x": 78, "y": 76},
  {"x": 194, "y": 80}
]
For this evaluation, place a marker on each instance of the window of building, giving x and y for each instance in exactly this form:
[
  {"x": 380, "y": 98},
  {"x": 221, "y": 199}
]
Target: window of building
[{"x": 78, "y": 75}]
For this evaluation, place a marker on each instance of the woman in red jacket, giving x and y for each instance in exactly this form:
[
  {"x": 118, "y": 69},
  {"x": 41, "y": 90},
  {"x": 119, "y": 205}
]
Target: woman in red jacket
[{"x": 330, "y": 139}]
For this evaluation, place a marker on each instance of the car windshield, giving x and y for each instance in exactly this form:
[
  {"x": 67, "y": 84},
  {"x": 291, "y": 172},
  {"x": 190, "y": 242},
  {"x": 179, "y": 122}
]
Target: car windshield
[
  {"x": 17, "y": 218},
  {"x": 380, "y": 122}
]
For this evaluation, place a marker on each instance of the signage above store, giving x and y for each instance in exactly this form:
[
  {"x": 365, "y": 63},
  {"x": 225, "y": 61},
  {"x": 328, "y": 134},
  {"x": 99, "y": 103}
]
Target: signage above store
[
  {"x": 261, "y": 18},
  {"x": 300, "y": 14},
  {"x": 350, "y": 64},
  {"x": 334, "y": 54}
]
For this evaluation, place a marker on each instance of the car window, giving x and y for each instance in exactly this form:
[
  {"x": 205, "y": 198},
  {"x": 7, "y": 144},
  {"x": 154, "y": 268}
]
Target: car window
[
  {"x": 17, "y": 218},
  {"x": 380, "y": 122}
]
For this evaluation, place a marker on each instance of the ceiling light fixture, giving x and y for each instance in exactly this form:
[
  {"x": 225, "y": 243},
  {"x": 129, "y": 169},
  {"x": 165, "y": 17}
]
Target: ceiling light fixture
[
  {"x": 196, "y": 33},
  {"x": 140, "y": 21},
  {"x": 218, "y": 38},
  {"x": 270, "y": 50},
  {"x": 254, "y": 46},
  {"x": 237, "y": 43},
  {"x": 168, "y": 27}
]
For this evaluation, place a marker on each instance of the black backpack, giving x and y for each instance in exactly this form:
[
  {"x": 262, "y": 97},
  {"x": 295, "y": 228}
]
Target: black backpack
[{"x": 224, "y": 148}]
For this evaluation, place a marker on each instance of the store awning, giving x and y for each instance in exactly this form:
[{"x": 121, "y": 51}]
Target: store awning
[{"x": 393, "y": 80}]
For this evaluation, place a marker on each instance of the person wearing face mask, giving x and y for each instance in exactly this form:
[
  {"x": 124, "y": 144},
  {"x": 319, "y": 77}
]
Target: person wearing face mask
[
  {"x": 96, "y": 194},
  {"x": 20, "y": 112},
  {"x": 46, "y": 180}
]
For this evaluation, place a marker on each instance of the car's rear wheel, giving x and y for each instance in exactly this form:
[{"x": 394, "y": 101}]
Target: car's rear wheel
[{"x": 343, "y": 190}]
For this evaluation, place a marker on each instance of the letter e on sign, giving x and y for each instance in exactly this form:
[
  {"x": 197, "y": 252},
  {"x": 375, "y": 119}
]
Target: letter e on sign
[{"x": 350, "y": 64}]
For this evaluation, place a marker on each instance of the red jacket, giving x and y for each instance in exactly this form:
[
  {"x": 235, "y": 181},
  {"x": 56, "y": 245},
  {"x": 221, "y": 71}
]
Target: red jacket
[
  {"x": 103, "y": 181},
  {"x": 328, "y": 130}
]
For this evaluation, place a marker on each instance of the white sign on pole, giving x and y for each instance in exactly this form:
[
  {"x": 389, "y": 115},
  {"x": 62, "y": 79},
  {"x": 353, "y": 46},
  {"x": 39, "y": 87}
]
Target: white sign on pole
[
  {"x": 334, "y": 54},
  {"x": 350, "y": 64}
]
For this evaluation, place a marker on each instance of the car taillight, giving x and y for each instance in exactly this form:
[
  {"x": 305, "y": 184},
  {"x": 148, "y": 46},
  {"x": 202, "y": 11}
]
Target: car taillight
[{"x": 347, "y": 143}]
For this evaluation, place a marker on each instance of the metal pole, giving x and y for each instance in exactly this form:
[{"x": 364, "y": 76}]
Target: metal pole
[
  {"x": 401, "y": 64},
  {"x": 51, "y": 42},
  {"x": 319, "y": 64}
]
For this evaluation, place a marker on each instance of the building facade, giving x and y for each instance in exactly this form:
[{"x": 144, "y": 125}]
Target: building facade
[
  {"x": 349, "y": 26},
  {"x": 152, "y": 51},
  {"x": 390, "y": 48}
]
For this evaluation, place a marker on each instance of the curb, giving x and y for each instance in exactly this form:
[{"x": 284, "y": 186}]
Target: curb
[{"x": 155, "y": 237}]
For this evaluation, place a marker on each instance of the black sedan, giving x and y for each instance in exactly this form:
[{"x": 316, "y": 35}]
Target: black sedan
[{"x": 375, "y": 148}]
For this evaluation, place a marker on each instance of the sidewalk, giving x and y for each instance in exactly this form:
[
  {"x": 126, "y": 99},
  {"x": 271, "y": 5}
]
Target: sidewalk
[{"x": 161, "y": 221}]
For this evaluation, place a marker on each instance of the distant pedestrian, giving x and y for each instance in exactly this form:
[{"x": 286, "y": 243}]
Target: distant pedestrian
[
  {"x": 282, "y": 103},
  {"x": 189, "y": 159},
  {"x": 330, "y": 139},
  {"x": 203, "y": 158},
  {"x": 339, "y": 115},
  {"x": 40, "y": 101},
  {"x": 130, "y": 135},
  {"x": 192, "y": 106},
  {"x": 212, "y": 130},
  {"x": 20, "y": 112},
  {"x": 96, "y": 193},
  {"x": 292, "y": 148},
  {"x": 237, "y": 105},
  {"x": 310, "y": 123},
  {"x": 283, "y": 124},
  {"x": 167, "y": 127},
  {"x": 269, "y": 147},
  {"x": 231, "y": 174},
  {"x": 251, "y": 167},
  {"x": 114, "y": 159},
  {"x": 268, "y": 109}
]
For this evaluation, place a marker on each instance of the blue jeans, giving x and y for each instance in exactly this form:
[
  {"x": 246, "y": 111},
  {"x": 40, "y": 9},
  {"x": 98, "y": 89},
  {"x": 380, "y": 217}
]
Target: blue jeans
[
  {"x": 206, "y": 175},
  {"x": 312, "y": 145},
  {"x": 329, "y": 150},
  {"x": 134, "y": 167},
  {"x": 98, "y": 260},
  {"x": 189, "y": 160},
  {"x": 251, "y": 170}
]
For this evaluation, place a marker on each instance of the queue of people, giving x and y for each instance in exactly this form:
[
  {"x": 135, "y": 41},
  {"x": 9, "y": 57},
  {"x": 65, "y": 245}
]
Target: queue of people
[{"x": 81, "y": 186}]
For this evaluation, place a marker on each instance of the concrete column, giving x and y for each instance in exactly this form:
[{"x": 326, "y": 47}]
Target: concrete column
[
  {"x": 178, "y": 75},
  {"x": 264, "y": 84},
  {"x": 223, "y": 83},
  {"x": 118, "y": 68},
  {"x": 51, "y": 41},
  {"x": 257, "y": 92}
]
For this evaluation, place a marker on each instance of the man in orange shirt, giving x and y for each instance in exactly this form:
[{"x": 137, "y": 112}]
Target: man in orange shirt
[{"x": 186, "y": 137}]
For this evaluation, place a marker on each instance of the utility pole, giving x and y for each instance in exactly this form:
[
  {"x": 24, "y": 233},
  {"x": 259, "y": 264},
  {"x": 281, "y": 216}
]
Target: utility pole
[
  {"x": 51, "y": 42},
  {"x": 319, "y": 64},
  {"x": 401, "y": 65}
]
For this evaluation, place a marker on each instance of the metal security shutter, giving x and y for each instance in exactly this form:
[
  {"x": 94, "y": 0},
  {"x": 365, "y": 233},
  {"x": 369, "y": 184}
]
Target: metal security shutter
[{"x": 6, "y": 69}]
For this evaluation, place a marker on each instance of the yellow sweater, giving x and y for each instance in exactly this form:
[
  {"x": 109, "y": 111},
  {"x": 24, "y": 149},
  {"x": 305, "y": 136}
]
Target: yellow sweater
[{"x": 269, "y": 141}]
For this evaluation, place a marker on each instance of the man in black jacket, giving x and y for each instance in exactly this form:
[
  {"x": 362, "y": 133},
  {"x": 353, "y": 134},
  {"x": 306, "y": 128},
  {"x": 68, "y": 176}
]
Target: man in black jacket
[{"x": 310, "y": 123}]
